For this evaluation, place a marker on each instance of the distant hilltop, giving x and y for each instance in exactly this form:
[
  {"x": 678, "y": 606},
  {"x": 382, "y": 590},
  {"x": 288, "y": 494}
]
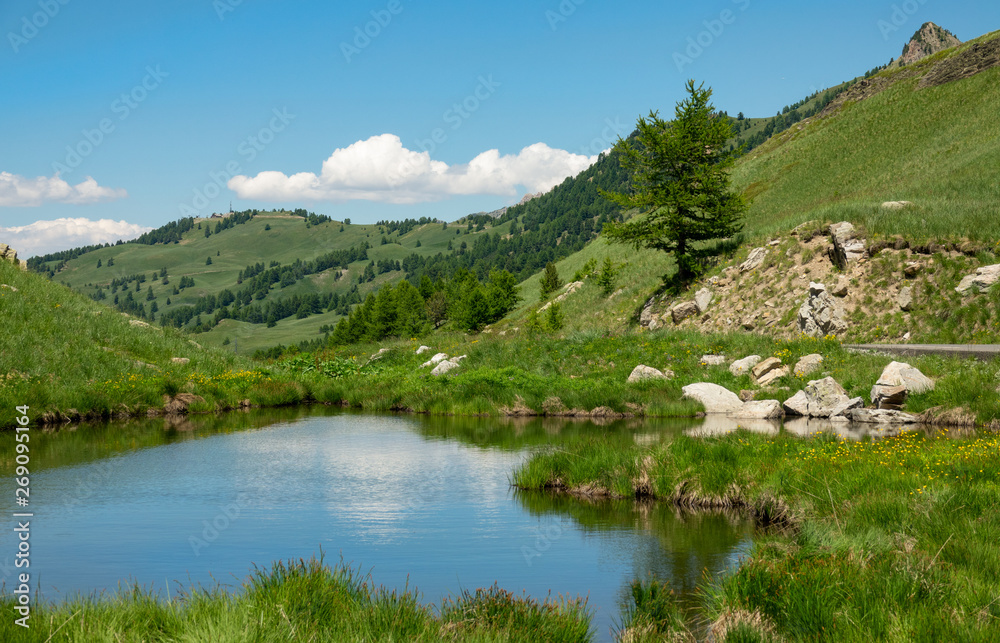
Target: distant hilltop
[{"x": 927, "y": 41}]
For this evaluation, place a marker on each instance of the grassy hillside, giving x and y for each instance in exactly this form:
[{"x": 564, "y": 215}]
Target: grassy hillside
[
  {"x": 937, "y": 146},
  {"x": 60, "y": 351}
]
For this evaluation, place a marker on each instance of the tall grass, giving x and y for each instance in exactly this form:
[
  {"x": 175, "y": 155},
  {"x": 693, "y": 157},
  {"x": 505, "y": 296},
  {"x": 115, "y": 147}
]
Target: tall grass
[
  {"x": 303, "y": 600},
  {"x": 888, "y": 540}
]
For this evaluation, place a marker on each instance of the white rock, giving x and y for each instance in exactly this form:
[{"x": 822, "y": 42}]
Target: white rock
[
  {"x": 643, "y": 372},
  {"x": 759, "y": 410},
  {"x": 437, "y": 359},
  {"x": 896, "y": 205},
  {"x": 179, "y": 360},
  {"x": 754, "y": 260},
  {"x": 984, "y": 278},
  {"x": 715, "y": 398},
  {"x": 808, "y": 364},
  {"x": 745, "y": 365},
  {"x": 703, "y": 299},
  {"x": 713, "y": 360},
  {"x": 444, "y": 367},
  {"x": 423, "y": 349},
  {"x": 902, "y": 374},
  {"x": 797, "y": 404}
]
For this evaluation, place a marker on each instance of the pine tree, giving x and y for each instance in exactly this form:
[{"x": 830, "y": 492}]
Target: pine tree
[
  {"x": 550, "y": 280},
  {"x": 680, "y": 183},
  {"x": 607, "y": 279}
]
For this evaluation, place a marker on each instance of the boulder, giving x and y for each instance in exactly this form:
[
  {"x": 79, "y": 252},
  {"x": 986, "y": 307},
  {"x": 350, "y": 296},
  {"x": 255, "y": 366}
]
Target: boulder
[
  {"x": 713, "y": 360},
  {"x": 905, "y": 299},
  {"x": 896, "y": 205},
  {"x": 902, "y": 374},
  {"x": 682, "y": 311},
  {"x": 808, "y": 364},
  {"x": 648, "y": 314},
  {"x": 759, "y": 410},
  {"x": 379, "y": 354},
  {"x": 848, "y": 247},
  {"x": 820, "y": 399},
  {"x": 821, "y": 314},
  {"x": 715, "y": 398},
  {"x": 444, "y": 367},
  {"x": 797, "y": 404},
  {"x": 981, "y": 280},
  {"x": 642, "y": 372},
  {"x": 882, "y": 416},
  {"x": 423, "y": 349},
  {"x": 741, "y": 366},
  {"x": 911, "y": 270},
  {"x": 889, "y": 397},
  {"x": 754, "y": 260},
  {"x": 179, "y": 360},
  {"x": 703, "y": 299}
]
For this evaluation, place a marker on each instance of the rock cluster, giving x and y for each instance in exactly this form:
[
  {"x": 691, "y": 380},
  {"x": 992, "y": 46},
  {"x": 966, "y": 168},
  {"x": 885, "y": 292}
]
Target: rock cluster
[
  {"x": 981, "y": 280},
  {"x": 824, "y": 398},
  {"x": 821, "y": 314}
]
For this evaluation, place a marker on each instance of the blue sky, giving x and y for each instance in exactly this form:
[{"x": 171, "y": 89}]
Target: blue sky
[{"x": 120, "y": 116}]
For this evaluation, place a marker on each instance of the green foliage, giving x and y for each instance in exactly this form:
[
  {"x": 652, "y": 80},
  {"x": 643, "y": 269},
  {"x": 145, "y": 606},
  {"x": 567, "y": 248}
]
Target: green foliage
[
  {"x": 607, "y": 279},
  {"x": 550, "y": 280},
  {"x": 554, "y": 318},
  {"x": 680, "y": 183}
]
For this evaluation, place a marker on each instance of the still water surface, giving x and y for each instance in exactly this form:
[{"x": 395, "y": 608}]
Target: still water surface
[{"x": 414, "y": 500}]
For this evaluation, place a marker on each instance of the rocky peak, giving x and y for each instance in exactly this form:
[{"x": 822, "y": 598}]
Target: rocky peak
[{"x": 928, "y": 40}]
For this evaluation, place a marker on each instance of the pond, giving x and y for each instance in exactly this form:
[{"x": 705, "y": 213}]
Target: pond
[{"x": 414, "y": 500}]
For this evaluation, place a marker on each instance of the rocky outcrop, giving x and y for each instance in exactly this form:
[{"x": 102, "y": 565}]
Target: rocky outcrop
[
  {"x": 981, "y": 281},
  {"x": 821, "y": 314},
  {"x": 643, "y": 372},
  {"x": 9, "y": 255},
  {"x": 570, "y": 288},
  {"x": 682, "y": 311},
  {"x": 808, "y": 364},
  {"x": 754, "y": 260},
  {"x": 928, "y": 40},
  {"x": 743, "y": 366},
  {"x": 848, "y": 246},
  {"x": 715, "y": 398}
]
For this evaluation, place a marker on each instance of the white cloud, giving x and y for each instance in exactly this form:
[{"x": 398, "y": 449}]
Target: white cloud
[
  {"x": 381, "y": 169},
  {"x": 43, "y": 237},
  {"x": 20, "y": 191}
]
